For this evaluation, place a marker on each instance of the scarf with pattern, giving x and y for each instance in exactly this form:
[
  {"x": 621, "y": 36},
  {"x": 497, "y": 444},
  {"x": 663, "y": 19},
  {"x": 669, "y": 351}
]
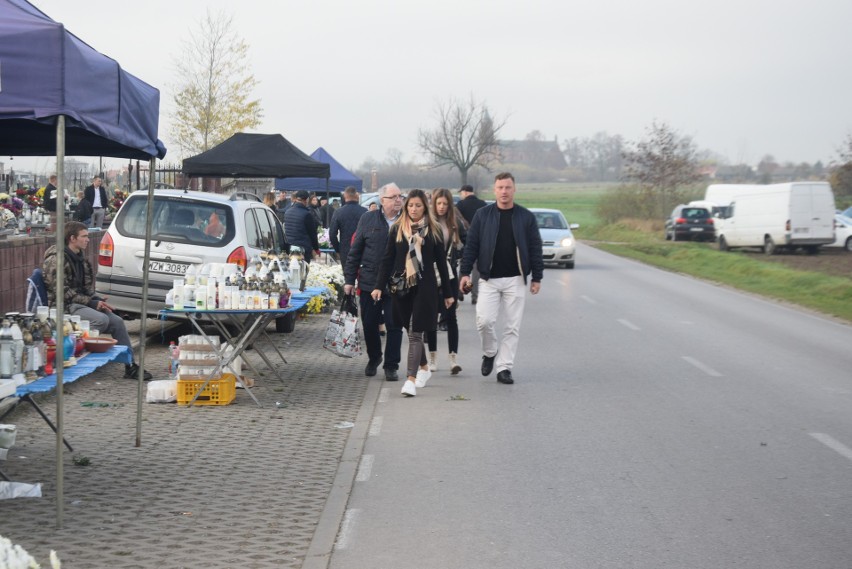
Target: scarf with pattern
[{"x": 414, "y": 261}]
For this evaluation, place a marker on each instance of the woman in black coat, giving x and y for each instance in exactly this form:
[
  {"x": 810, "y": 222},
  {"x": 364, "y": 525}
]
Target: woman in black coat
[{"x": 414, "y": 251}]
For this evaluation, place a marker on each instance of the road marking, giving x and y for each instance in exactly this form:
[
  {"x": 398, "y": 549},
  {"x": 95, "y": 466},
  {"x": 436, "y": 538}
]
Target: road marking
[
  {"x": 365, "y": 468},
  {"x": 376, "y": 427},
  {"x": 588, "y": 299},
  {"x": 629, "y": 324},
  {"x": 346, "y": 528},
  {"x": 384, "y": 394},
  {"x": 833, "y": 444},
  {"x": 706, "y": 369}
]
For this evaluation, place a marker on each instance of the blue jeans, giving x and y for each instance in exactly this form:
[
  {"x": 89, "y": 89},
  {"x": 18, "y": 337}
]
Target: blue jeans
[{"x": 371, "y": 316}]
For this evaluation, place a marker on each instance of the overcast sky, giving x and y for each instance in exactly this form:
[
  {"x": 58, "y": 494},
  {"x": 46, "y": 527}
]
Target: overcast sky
[{"x": 744, "y": 78}]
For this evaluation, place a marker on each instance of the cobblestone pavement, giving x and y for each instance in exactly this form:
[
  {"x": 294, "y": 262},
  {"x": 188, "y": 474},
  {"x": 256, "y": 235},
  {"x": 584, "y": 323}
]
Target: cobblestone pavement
[{"x": 232, "y": 486}]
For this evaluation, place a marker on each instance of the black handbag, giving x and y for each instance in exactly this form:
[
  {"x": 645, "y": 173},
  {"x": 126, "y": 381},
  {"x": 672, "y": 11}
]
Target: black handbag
[{"x": 398, "y": 285}]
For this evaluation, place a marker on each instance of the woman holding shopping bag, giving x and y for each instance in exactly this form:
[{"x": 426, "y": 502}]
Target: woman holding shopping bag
[{"x": 414, "y": 251}]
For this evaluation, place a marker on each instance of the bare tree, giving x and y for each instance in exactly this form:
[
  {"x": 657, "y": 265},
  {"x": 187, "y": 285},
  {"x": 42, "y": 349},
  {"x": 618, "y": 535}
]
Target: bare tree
[
  {"x": 663, "y": 164},
  {"x": 465, "y": 136},
  {"x": 213, "y": 96}
]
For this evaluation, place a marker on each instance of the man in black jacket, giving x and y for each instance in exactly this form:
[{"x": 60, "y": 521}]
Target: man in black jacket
[
  {"x": 344, "y": 222},
  {"x": 301, "y": 226},
  {"x": 363, "y": 262},
  {"x": 468, "y": 206},
  {"x": 505, "y": 245},
  {"x": 96, "y": 194}
]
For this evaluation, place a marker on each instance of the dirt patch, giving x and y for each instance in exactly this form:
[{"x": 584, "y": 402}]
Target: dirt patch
[{"x": 833, "y": 261}]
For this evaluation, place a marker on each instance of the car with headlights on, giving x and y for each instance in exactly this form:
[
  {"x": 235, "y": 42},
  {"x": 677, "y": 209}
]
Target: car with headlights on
[
  {"x": 558, "y": 243},
  {"x": 188, "y": 228}
]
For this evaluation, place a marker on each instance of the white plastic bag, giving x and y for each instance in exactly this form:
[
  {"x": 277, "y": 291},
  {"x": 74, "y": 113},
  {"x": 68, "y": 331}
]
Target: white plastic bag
[
  {"x": 9, "y": 490},
  {"x": 7, "y": 436}
]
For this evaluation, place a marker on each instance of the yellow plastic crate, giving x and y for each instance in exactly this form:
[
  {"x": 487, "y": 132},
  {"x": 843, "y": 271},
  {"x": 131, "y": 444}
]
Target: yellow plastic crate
[{"x": 221, "y": 391}]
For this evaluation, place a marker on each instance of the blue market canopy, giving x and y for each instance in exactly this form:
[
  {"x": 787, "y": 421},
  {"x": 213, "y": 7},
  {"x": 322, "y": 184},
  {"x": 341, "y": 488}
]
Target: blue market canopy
[
  {"x": 337, "y": 182},
  {"x": 46, "y": 71},
  {"x": 248, "y": 155}
]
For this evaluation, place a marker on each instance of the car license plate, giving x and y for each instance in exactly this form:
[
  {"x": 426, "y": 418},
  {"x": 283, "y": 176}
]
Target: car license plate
[
  {"x": 168, "y": 267},
  {"x": 696, "y": 229}
]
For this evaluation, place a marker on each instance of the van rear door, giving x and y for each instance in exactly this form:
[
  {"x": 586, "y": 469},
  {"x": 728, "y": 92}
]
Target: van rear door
[{"x": 811, "y": 213}]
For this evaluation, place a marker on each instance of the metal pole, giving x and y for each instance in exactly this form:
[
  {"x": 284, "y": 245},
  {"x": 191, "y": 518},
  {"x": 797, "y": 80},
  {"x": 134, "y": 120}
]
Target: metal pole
[
  {"x": 143, "y": 327},
  {"x": 60, "y": 313}
]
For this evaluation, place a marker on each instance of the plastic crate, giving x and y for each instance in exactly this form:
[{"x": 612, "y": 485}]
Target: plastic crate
[{"x": 221, "y": 391}]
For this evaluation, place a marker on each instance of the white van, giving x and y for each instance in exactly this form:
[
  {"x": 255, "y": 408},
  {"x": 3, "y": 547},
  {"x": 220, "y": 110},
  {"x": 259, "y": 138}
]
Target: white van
[
  {"x": 718, "y": 197},
  {"x": 780, "y": 216}
]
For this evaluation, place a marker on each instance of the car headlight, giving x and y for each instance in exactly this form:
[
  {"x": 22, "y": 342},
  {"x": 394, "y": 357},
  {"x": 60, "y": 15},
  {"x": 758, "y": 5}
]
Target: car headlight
[{"x": 567, "y": 242}]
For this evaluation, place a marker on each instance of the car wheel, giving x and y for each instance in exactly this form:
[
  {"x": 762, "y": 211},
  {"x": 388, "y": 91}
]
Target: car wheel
[
  {"x": 723, "y": 244},
  {"x": 668, "y": 236},
  {"x": 769, "y": 245},
  {"x": 848, "y": 245}
]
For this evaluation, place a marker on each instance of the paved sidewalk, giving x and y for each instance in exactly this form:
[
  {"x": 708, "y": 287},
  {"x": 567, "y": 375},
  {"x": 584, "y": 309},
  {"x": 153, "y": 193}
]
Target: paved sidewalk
[{"x": 212, "y": 487}]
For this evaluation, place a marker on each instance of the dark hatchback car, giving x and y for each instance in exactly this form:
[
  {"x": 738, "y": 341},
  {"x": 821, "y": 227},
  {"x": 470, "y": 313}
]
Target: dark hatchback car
[{"x": 690, "y": 223}]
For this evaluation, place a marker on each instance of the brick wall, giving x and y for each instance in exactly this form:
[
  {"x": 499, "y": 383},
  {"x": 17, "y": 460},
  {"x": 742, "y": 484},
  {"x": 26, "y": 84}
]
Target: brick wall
[{"x": 18, "y": 258}]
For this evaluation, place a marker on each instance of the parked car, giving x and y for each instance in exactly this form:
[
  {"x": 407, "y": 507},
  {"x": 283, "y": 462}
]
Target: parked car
[
  {"x": 188, "y": 228},
  {"x": 691, "y": 223},
  {"x": 842, "y": 233},
  {"x": 558, "y": 243},
  {"x": 847, "y": 213}
]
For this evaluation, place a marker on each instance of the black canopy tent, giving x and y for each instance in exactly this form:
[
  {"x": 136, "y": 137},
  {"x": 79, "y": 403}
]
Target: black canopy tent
[
  {"x": 47, "y": 107},
  {"x": 247, "y": 155}
]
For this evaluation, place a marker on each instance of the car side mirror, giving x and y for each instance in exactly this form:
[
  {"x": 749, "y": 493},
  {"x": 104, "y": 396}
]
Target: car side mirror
[{"x": 574, "y": 225}]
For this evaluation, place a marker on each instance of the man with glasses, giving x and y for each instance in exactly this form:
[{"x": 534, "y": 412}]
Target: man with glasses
[
  {"x": 79, "y": 291},
  {"x": 363, "y": 262}
]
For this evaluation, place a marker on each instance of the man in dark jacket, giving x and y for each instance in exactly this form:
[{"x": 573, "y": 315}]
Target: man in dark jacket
[
  {"x": 468, "y": 206},
  {"x": 505, "y": 245},
  {"x": 301, "y": 226},
  {"x": 363, "y": 262},
  {"x": 96, "y": 194},
  {"x": 79, "y": 290},
  {"x": 344, "y": 222}
]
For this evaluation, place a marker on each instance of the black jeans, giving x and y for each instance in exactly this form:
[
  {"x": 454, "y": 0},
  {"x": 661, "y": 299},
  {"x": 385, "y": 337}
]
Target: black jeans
[
  {"x": 451, "y": 319},
  {"x": 371, "y": 316}
]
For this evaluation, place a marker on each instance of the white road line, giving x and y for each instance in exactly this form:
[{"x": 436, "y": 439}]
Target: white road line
[
  {"x": 384, "y": 394},
  {"x": 376, "y": 427},
  {"x": 833, "y": 444},
  {"x": 629, "y": 324},
  {"x": 365, "y": 468},
  {"x": 588, "y": 299},
  {"x": 346, "y": 528},
  {"x": 706, "y": 369}
]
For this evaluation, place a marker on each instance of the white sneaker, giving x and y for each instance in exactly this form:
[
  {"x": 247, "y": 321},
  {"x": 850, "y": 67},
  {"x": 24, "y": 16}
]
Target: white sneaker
[
  {"x": 433, "y": 361},
  {"x": 423, "y": 376},
  {"x": 408, "y": 389}
]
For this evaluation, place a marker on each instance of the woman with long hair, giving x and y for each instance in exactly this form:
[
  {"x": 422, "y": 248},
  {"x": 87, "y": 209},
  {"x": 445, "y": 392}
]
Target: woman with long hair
[
  {"x": 415, "y": 251},
  {"x": 453, "y": 234}
]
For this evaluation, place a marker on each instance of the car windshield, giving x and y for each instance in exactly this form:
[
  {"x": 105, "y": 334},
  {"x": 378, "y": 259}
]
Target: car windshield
[
  {"x": 178, "y": 220},
  {"x": 695, "y": 213},
  {"x": 550, "y": 220}
]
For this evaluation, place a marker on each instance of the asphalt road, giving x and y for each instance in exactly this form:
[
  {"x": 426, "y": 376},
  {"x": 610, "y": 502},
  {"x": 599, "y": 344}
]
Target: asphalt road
[{"x": 656, "y": 421}]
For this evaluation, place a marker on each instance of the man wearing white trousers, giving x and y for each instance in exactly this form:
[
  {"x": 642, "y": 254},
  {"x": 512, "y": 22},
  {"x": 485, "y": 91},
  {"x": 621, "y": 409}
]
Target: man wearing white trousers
[{"x": 503, "y": 242}]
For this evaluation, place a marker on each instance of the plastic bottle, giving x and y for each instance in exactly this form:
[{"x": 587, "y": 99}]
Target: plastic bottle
[{"x": 174, "y": 360}]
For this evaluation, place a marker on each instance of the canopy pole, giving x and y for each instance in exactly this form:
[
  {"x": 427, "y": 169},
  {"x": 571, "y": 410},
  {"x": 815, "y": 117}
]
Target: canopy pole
[
  {"x": 60, "y": 314},
  {"x": 143, "y": 326}
]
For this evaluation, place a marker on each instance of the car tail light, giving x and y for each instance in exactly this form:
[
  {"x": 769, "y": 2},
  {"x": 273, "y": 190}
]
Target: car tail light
[
  {"x": 680, "y": 220},
  {"x": 239, "y": 257},
  {"x": 105, "y": 251},
  {"x": 710, "y": 220}
]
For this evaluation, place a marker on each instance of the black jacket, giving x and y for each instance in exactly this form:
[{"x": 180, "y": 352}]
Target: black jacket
[
  {"x": 482, "y": 239},
  {"x": 468, "y": 207},
  {"x": 345, "y": 222},
  {"x": 50, "y": 194},
  {"x": 301, "y": 229},
  {"x": 89, "y": 194},
  {"x": 368, "y": 249},
  {"x": 84, "y": 210}
]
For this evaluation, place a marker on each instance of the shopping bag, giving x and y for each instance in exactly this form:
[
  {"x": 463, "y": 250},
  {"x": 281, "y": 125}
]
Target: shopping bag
[{"x": 342, "y": 336}]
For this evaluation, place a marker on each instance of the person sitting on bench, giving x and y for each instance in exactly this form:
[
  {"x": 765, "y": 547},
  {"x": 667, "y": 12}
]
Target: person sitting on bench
[{"x": 79, "y": 294}]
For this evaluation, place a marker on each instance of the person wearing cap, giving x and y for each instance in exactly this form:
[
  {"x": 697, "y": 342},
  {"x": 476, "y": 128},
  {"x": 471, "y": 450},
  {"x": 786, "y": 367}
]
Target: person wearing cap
[{"x": 300, "y": 226}]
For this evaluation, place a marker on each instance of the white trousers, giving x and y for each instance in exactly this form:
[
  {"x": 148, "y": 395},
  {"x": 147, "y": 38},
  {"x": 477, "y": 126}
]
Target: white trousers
[{"x": 500, "y": 297}]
